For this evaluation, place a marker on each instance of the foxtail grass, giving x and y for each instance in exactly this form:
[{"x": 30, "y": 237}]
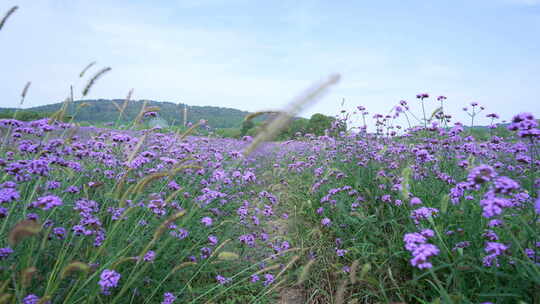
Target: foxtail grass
[
  {"x": 7, "y": 15},
  {"x": 94, "y": 79}
]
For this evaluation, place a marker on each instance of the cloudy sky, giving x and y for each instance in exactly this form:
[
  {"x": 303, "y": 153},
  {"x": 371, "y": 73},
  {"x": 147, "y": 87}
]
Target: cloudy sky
[{"x": 258, "y": 55}]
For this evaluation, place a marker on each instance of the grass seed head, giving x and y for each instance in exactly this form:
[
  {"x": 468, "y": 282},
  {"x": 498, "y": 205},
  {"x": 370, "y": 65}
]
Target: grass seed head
[
  {"x": 93, "y": 80},
  {"x": 91, "y": 64},
  {"x": 22, "y": 230},
  {"x": 75, "y": 267},
  {"x": 7, "y": 15}
]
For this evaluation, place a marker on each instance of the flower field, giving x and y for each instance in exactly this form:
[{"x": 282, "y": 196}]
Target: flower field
[{"x": 424, "y": 214}]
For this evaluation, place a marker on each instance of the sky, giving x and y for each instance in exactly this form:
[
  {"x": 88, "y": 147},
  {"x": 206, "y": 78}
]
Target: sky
[{"x": 259, "y": 55}]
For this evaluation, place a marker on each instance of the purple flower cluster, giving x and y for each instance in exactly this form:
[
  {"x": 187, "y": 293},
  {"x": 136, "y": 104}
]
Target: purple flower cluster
[
  {"x": 107, "y": 280},
  {"x": 416, "y": 243},
  {"x": 47, "y": 202},
  {"x": 168, "y": 298},
  {"x": 526, "y": 125}
]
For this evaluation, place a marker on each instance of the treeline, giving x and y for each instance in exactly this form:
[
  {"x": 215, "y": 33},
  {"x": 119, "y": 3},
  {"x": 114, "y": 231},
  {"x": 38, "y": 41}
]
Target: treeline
[
  {"x": 316, "y": 125},
  {"x": 23, "y": 115}
]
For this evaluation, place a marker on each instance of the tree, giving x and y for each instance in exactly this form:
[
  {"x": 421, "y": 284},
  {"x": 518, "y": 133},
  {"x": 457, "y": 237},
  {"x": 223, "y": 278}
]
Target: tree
[
  {"x": 318, "y": 123},
  {"x": 246, "y": 126}
]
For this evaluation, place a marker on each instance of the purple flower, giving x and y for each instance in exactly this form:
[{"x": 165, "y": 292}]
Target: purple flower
[
  {"x": 207, "y": 221},
  {"x": 505, "y": 185},
  {"x": 416, "y": 243},
  {"x": 422, "y": 96},
  {"x": 268, "y": 279},
  {"x": 481, "y": 174},
  {"x": 326, "y": 222},
  {"x": 462, "y": 245},
  {"x": 421, "y": 255},
  {"x": 537, "y": 205},
  {"x": 415, "y": 201},
  {"x": 213, "y": 240},
  {"x": 494, "y": 250},
  {"x": 5, "y": 252},
  {"x": 413, "y": 240},
  {"x": 59, "y": 232},
  {"x": 8, "y": 195},
  {"x": 247, "y": 239},
  {"x": 495, "y": 223},
  {"x": 254, "y": 278},
  {"x": 493, "y": 206},
  {"x": 168, "y": 298},
  {"x": 427, "y": 233},
  {"x": 108, "y": 279},
  {"x": 31, "y": 299},
  {"x": 149, "y": 256},
  {"x": 526, "y": 125},
  {"x": 47, "y": 202},
  {"x": 72, "y": 189},
  {"x": 423, "y": 213},
  {"x": 223, "y": 280},
  {"x": 341, "y": 252}
]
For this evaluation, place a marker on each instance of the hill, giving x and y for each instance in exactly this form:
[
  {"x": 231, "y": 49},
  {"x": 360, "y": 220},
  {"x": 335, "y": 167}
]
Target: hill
[{"x": 104, "y": 111}]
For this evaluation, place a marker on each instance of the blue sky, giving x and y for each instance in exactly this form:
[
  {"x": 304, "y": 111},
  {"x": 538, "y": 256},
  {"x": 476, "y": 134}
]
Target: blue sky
[{"x": 258, "y": 55}]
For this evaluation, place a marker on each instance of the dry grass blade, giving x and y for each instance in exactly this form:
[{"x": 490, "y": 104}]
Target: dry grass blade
[
  {"x": 7, "y": 15},
  {"x": 93, "y": 80},
  {"x": 282, "y": 120},
  {"x": 91, "y": 64}
]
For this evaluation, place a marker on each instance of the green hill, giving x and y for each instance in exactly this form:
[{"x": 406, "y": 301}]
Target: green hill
[{"x": 104, "y": 111}]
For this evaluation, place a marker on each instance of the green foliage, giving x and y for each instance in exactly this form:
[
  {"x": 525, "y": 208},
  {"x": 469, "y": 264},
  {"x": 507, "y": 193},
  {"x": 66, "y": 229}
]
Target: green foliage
[
  {"x": 228, "y": 132},
  {"x": 23, "y": 115},
  {"x": 299, "y": 125},
  {"x": 246, "y": 126},
  {"x": 318, "y": 123}
]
